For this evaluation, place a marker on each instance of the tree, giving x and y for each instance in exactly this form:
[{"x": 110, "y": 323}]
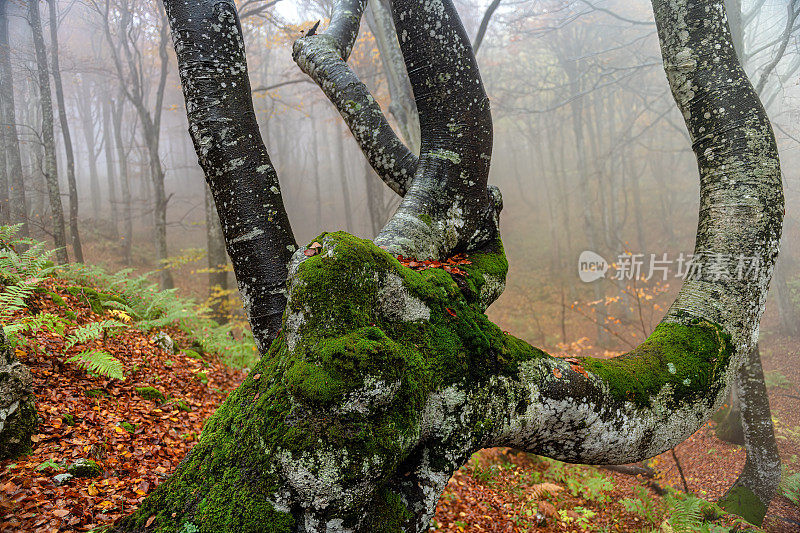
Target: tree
[
  {"x": 50, "y": 167},
  {"x": 77, "y": 249},
  {"x": 383, "y": 380},
  {"x": 19, "y": 209},
  {"x": 124, "y": 43}
]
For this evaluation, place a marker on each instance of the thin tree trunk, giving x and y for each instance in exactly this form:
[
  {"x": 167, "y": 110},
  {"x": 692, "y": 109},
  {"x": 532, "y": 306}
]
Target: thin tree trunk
[
  {"x": 74, "y": 232},
  {"x": 19, "y": 204},
  {"x": 50, "y": 167},
  {"x": 127, "y": 215},
  {"x": 762, "y": 468},
  {"x": 5, "y": 216},
  {"x": 348, "y": 212},
  {"x": 217, "y": 260},
  {"x": 85, "y": 105},
  {"x": 110, "y": 174}
]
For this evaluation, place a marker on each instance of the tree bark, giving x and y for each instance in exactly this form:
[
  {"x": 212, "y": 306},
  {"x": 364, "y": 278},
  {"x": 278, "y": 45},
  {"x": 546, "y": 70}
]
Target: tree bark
[
  {"x": 74, "y": 231},
  {"x": 122, "y": 161},
  {"x": 86, "y": 105},
  {"x": 19, "y": 204},
  {"x": 110, "y": 174},
  {"x": 384, "y": 380},
  {"x": 751, "y": 494},
  {"x": 50, "y": 167}
]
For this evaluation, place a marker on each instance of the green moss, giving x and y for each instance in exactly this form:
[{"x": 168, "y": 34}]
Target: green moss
[
  {"x": 68, "y": 419},
  {"x": 388, "y": 513},
  {"x": 689, "y": 357},
  {"x": 202, "y": 377},
  {"x": 97, "y": 393},
  {"x": 57, "y": 299},
  {"x": 127, "y": 426},
  {"x": 426, "y": 219},
  {"x": 182, "y": 405},
  {"x": 191, "y": 354},
  {"x": 150, "y": 393},
  {"x": 15, "y": 440},
  {"x": 743, "y": 502}
]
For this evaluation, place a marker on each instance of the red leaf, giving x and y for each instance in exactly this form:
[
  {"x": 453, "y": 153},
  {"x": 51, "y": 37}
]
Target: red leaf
[
  {"x": 450, "y": 311},
  {"x": 310, "y": 252},
  {"x": 149, "y": 521}
]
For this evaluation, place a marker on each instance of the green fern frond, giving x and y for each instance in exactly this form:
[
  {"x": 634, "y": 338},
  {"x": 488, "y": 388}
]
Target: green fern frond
[
  {"x": 100, "y": 362},
  {"x": 91, "y": 331}
]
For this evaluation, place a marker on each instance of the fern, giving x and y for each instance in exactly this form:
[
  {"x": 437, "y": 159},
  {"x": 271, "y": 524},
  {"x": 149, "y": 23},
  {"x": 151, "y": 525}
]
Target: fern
[
  {"x": 684, "y": 514},
  {"x": 100, "y": 362},
  {"x": 91, "y": 331}
]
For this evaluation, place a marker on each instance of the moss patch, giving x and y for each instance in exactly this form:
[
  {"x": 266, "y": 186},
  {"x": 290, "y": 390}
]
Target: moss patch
[
  {"x": 150, "y": 393},
  {"x": 689, "y": 357}
]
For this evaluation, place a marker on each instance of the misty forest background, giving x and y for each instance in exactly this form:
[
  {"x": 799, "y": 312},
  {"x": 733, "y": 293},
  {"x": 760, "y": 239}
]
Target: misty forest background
[{"x": 590, "y": 151}]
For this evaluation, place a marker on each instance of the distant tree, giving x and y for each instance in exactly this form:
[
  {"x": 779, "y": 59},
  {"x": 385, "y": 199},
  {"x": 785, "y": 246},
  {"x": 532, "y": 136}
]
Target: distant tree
[
  {"x": 72, "y": 184},
  {"x": 18, "y": 211},
  {"x": 382, "y": 380},
  {"x": 50, "y": 166}
]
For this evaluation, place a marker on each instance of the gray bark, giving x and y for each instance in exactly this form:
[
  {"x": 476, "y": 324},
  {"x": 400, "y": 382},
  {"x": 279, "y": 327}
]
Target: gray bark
[
  {"x": 50, "y": 168},
  {"x": 122, "y": 161},
  {"x": 110, "y": 174},
  {"x": 72, "y": 184},
  {"x": 19, "y": 205},
  {"x": 762, "y": 469}
]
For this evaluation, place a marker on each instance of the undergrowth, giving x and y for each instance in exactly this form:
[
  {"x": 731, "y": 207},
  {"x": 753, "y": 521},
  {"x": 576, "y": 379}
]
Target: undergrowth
[{"x": 134, "y": 299}]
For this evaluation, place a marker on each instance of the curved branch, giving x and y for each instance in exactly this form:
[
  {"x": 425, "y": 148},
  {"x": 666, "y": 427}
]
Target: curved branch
[
  {"x": 447, "y": 207},
  {"x": 213, "y": 70},
  {"x": 324, "y": 58},
  {"x": 487, "y": 16},
  {"x": 647, "y": 401}
]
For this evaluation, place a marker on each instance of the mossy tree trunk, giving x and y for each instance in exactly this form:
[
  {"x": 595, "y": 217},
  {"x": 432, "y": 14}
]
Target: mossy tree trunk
[{"x": 384, "y": 380}]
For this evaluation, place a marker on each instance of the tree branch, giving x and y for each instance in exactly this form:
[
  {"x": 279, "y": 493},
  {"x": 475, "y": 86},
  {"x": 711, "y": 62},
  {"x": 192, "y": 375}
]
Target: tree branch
[
  {"x": 487, "y": 16},
  {"x": 447, "y": 207},
  {"x": 324, "y": 57},
  {"x": 213, "y": 70}
]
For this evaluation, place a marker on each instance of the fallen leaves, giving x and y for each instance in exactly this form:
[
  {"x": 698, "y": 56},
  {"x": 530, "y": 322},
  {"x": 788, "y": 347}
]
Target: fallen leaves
[
  {"x": 450, "y": 264},
  {"x": 82, "y": 416}
]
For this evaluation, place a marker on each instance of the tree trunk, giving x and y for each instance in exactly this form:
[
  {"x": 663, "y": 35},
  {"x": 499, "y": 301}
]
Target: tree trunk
[
  {"x": 5, "y": 215},
  {"x": 122, "y": 161},
  {"x": 110, "y": 174},
  {"x": 217, "y": 261},
  {"x": 50, "y": 168},
  {"x": 75, "y": 237},
  {"x": 751, "y": 494},
  {"x": 85, "y": 110},
  {"x": 348, "y": 210},
  {"x": 19, "y": 204},
  {"x": 384, "y": 380}
]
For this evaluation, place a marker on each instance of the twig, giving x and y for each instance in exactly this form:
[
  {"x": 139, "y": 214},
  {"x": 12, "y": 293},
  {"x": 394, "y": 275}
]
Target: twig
[{"x": 680, "y": 471}]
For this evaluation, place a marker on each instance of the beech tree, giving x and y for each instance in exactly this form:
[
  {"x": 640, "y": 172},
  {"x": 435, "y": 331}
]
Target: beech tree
[{"x": 378, "y": 381}]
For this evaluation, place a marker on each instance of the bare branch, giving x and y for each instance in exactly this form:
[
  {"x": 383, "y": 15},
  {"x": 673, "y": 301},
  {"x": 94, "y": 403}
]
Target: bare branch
[{"x": 487, "y": 16}]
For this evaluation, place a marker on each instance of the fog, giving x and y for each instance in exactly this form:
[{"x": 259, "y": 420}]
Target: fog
[{"x": 590, "y": 151}]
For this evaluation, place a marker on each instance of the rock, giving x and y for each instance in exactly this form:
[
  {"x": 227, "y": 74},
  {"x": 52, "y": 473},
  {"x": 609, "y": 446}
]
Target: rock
[
  {"x": 18, "y": 419},
  {"x": 62, "y": 479},
  {"x": 150, "y": 393},
  {"x": 85, "y": 468},
  {"x": 163, "y": 341}
]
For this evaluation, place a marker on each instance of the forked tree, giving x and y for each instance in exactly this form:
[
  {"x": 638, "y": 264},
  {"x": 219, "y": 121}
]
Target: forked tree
[{"x": 378, "y": 381}]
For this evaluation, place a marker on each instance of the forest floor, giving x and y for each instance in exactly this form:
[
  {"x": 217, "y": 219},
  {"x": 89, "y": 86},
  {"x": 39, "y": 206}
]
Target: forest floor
[{"x": 138, "y": 430}]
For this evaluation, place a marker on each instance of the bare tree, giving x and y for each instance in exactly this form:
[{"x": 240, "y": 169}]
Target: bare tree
[
  {"x": 124, "y": 42},
  {"x": 383, "y": 380},
  {"x": 18, "y": 208},
  {"x": 50, "y": 167},
  {"x": 74, "y": 232}
]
